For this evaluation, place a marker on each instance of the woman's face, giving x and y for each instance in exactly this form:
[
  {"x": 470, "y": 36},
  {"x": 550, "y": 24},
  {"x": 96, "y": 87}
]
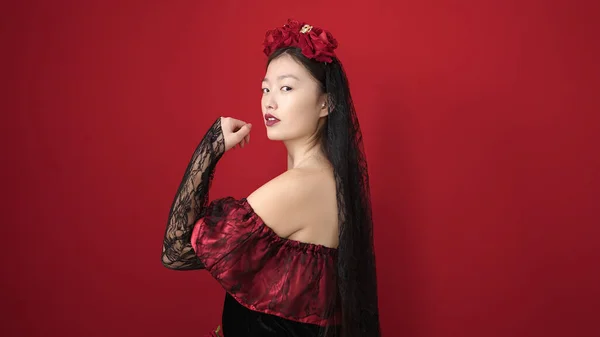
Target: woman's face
[{"x": 293, "y": 96}]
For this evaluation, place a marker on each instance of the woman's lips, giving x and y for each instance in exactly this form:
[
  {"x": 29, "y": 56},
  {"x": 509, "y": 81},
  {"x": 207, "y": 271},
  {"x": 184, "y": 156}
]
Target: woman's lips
[{"x": 270, "y": 120}]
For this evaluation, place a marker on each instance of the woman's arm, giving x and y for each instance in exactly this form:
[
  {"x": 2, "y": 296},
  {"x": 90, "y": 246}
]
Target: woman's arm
[{"x": 190, "y": 200}]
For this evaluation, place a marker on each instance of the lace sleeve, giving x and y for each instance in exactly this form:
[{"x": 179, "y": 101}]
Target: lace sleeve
[{"x": 191, "y": 200}]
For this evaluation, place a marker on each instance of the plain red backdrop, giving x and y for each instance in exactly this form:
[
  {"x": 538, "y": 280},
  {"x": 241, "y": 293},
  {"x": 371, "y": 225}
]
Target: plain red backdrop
[{"x": 481, "y": 126}]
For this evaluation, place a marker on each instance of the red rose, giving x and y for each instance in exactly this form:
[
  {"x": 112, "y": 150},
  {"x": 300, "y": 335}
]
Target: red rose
[
  {"x": 316, "y": 44},
  {"x": 323, "y": 45},
  {"x": 293, "y": 25},
  {"x": 278, "y": 38}
]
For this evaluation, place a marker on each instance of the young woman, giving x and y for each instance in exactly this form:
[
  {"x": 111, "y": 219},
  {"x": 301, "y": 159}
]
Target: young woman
[{"x": 296, "y": 256}]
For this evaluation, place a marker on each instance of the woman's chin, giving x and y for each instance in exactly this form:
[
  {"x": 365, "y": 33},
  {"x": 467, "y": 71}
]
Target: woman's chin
[{"x": 273, "y": 135}]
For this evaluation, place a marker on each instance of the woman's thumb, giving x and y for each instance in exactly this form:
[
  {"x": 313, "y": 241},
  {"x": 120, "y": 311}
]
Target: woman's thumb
[{"x": 244, "y": 131}]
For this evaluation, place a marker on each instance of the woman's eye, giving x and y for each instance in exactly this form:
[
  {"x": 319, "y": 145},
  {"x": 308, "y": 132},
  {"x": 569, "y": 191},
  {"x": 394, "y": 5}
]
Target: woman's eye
[{"x": 284, "y": 88}]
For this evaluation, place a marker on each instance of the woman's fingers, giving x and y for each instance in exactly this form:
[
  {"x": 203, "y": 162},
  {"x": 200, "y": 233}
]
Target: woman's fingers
[
  {"x": 236, "y": 132},
  {"x": 236, "y": 124}
]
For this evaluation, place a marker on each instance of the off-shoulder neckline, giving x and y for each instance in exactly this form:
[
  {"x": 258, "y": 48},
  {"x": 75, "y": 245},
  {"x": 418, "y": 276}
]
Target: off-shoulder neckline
[{"x": 305, "y": 246}]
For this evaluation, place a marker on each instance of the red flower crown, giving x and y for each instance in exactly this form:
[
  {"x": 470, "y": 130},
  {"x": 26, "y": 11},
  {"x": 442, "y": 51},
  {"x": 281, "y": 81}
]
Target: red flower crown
[{"x": 315, "y": 43}]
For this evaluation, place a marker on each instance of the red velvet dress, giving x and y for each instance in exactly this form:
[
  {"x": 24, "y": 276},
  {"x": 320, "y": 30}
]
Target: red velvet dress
[{"x": 274, "y": 286}]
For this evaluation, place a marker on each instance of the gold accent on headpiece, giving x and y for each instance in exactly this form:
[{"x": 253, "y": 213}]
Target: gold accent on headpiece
[{"x": 305, "y": 29}]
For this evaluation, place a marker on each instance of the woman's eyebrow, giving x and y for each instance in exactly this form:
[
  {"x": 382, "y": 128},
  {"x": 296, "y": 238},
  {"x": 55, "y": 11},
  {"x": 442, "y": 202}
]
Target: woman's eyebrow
[{"x": 282, "y": 77}]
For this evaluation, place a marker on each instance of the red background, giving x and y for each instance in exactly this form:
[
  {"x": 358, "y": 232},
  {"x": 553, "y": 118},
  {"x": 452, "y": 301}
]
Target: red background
[{"x": 481, "y": 124}]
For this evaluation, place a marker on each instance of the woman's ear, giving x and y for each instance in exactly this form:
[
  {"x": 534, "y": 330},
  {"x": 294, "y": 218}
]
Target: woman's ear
[{"x": 324, "y": 107}]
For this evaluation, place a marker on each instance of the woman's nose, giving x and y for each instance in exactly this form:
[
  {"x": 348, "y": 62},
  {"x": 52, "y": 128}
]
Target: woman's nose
[{"x": 270, "y": 104}]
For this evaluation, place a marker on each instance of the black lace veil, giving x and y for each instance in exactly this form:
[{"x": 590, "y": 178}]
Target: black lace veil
[{"x": 341, "y": 140}]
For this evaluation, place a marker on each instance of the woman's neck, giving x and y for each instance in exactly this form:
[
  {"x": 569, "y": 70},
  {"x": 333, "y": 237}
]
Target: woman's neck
[{"x": 307, "y": 158}]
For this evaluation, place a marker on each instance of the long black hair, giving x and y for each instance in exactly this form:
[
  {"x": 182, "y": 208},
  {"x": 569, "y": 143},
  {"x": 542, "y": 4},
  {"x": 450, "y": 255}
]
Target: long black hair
[{"x": 341, "y": 141}]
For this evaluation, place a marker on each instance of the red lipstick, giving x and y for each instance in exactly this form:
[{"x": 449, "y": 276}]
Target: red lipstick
[{"x": 271, "y": 120}]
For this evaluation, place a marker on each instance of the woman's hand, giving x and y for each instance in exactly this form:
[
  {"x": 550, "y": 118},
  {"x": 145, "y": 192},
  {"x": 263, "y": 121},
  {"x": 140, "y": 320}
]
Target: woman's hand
[{"x": 235, "y": 132}]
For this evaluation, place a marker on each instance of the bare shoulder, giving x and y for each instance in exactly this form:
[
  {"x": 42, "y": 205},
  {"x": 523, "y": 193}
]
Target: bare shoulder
[{"x": 290, "y": 202}]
